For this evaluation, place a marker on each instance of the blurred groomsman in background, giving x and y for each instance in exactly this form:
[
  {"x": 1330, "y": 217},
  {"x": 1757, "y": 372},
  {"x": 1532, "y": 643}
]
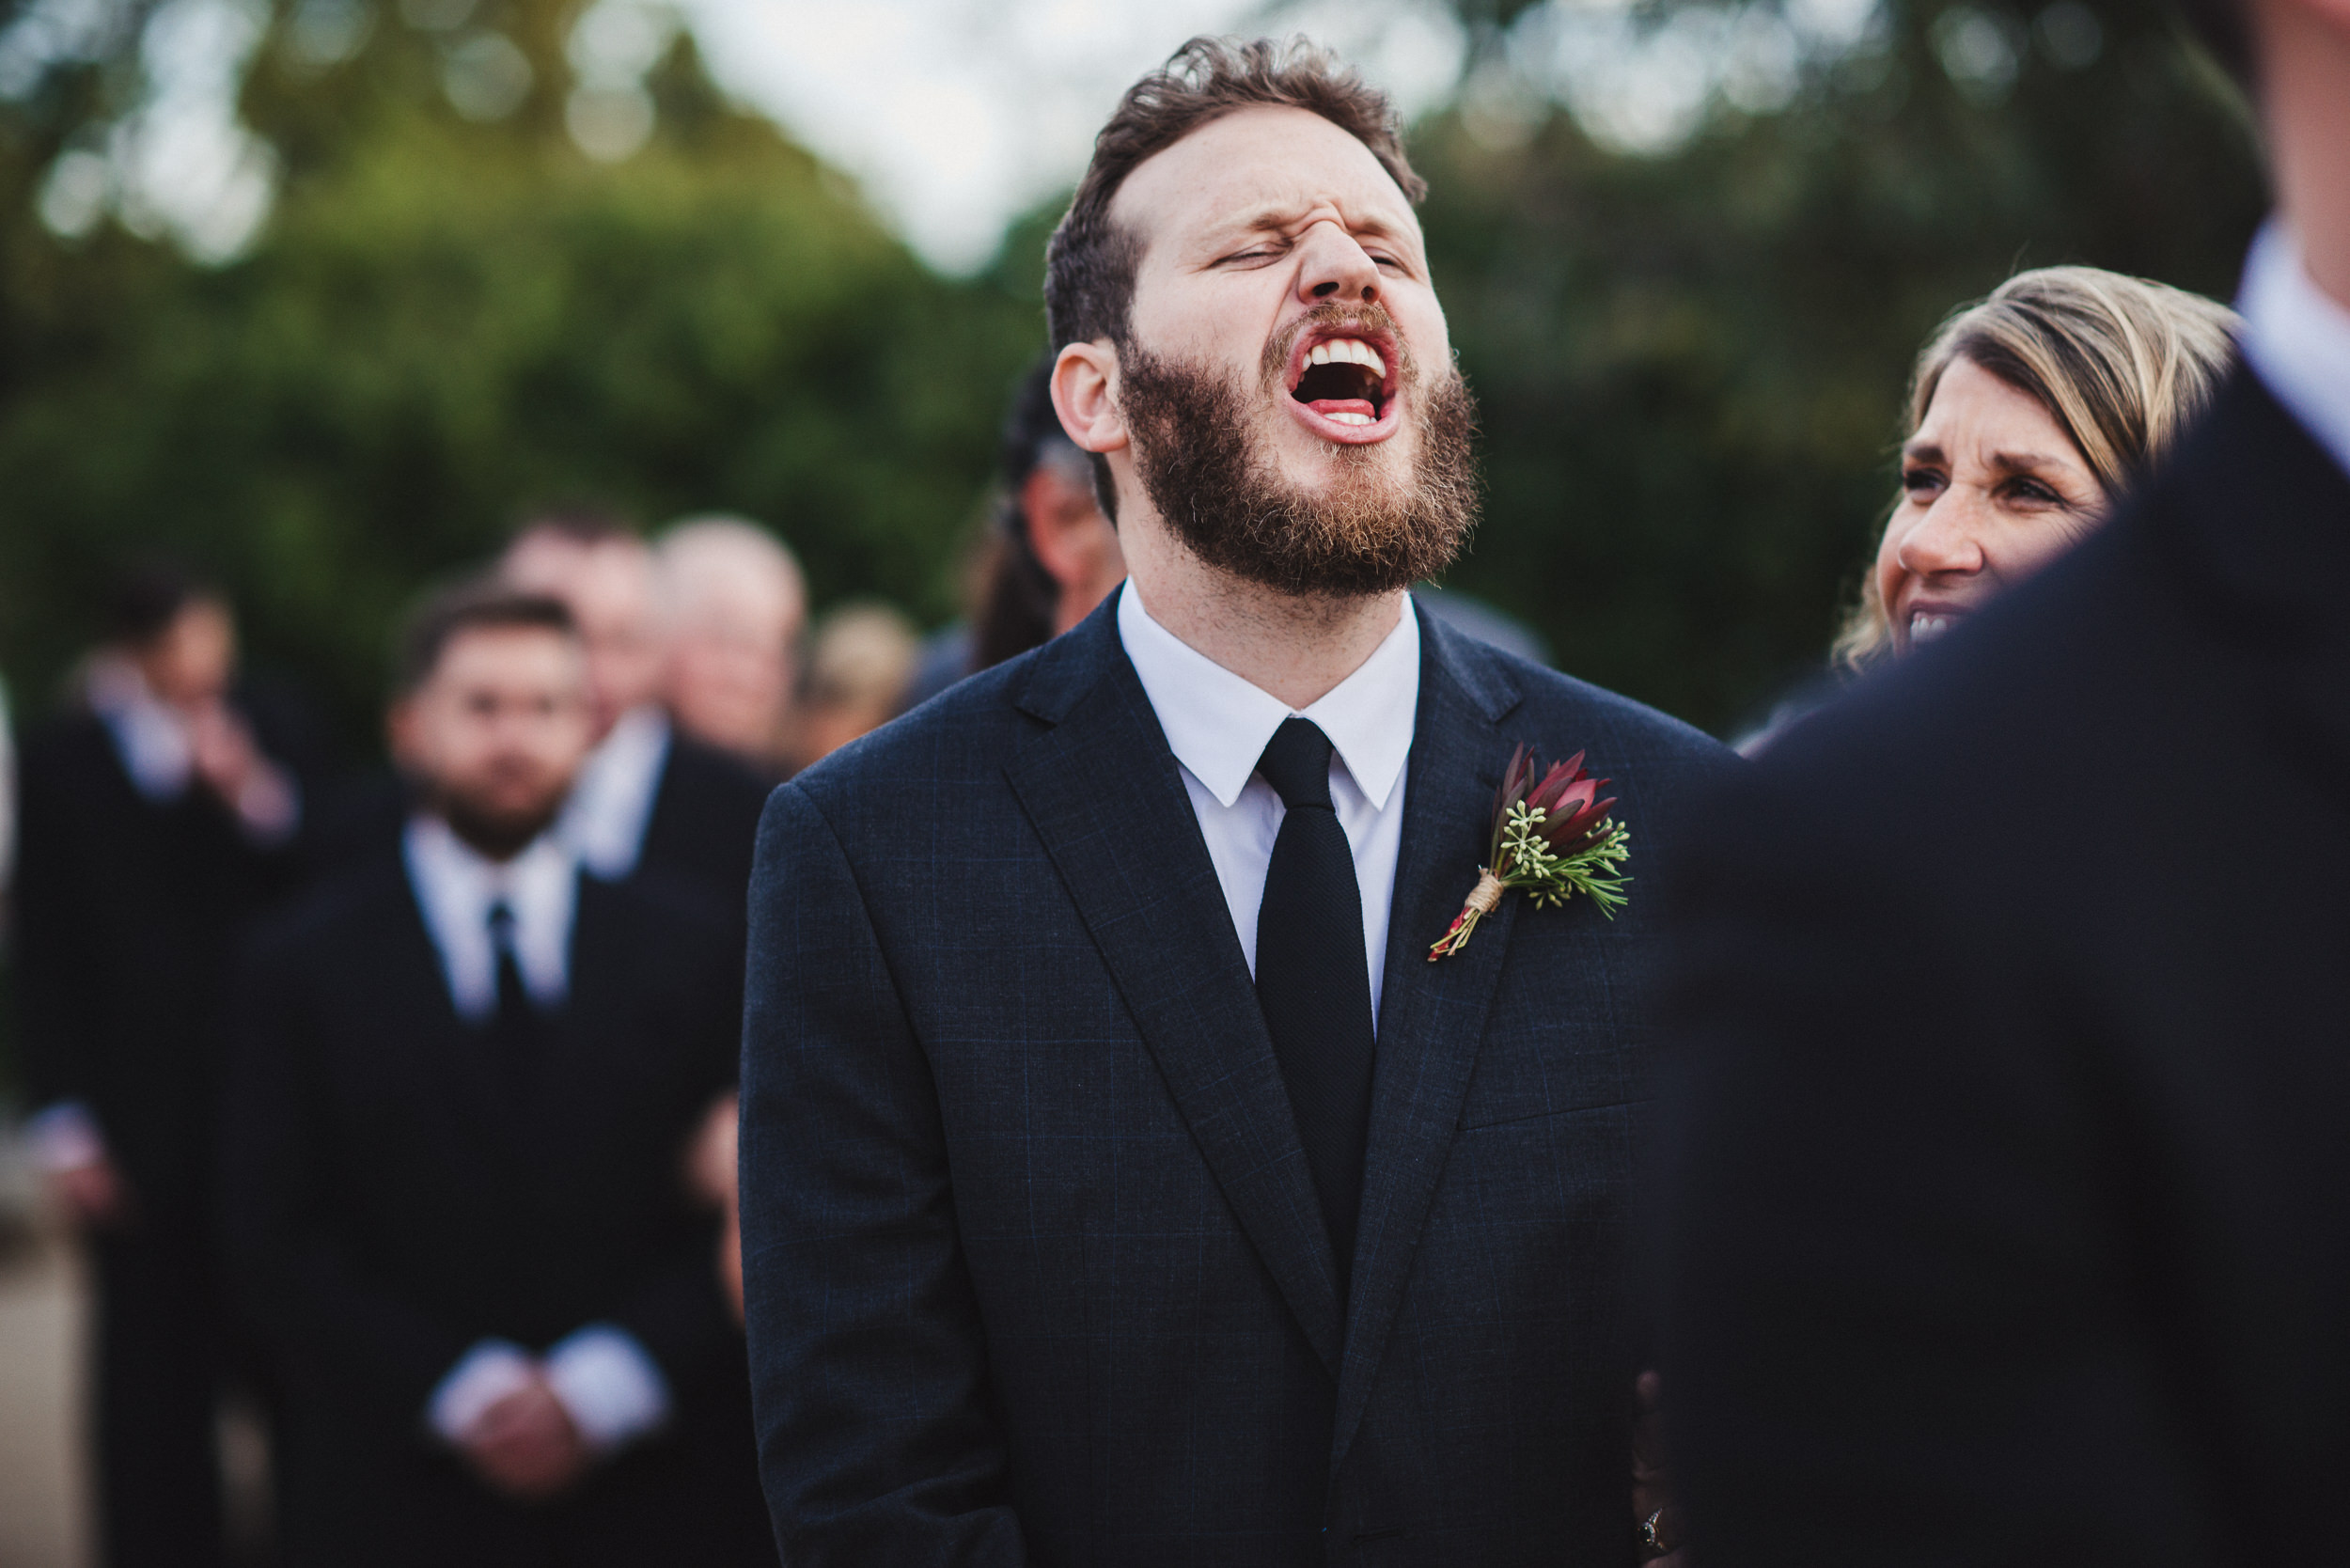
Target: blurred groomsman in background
[
  {"x": 647, "y": 793},
  {"x": 2014, "y": 1219},
  {"x": 159, "y": 815},
  {"x": 738, "y": 608},
  {"x": 456, "y": 1202}
]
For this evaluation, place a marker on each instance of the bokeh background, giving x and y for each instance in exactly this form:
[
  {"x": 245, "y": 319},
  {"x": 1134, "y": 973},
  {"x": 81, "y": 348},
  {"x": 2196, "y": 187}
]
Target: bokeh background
[{"x": 324, "y": 293}]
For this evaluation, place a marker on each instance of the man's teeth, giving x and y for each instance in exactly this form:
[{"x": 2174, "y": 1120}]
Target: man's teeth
[
  {"x": 1925, "y": 628},
  {"x": 1346, "y": 351},
  {"x": 1349, "y": 417}
]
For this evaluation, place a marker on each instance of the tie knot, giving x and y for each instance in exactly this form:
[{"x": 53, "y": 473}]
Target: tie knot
[
  {"x": 502, "y": 922},
  {"x": 1296, "y": 762}
]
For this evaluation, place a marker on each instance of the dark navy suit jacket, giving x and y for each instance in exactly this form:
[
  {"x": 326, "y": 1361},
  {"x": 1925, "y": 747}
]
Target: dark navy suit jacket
[
  {"x": 2011, "y": 1221},
  {"x": 1035, "y": 1269}
]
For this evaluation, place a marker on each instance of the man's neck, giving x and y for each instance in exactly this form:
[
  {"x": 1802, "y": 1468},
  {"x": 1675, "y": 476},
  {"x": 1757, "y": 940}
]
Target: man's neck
[
  {"x": 1295, "y": 648},
  {"x": 2305, "y": 62}
]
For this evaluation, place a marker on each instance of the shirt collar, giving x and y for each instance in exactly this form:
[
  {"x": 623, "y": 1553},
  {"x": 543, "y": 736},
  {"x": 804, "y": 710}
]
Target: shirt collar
[
  {"x": 456, "y": 884},
  {"x": 151, "y": 737},
  {"x": 2298, "y": 339},
  {"x": 1217, "y": 723}
]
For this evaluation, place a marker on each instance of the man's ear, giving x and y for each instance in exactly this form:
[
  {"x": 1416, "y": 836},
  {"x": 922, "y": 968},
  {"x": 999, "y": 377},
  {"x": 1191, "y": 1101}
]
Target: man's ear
[{"x": 1085, "y": 388}]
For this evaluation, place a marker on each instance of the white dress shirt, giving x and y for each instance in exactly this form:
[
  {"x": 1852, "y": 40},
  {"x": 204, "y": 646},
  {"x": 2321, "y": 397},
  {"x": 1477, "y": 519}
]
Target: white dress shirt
[
  {"x": 610, "y": 1387},
  {"x": 456, "y": 884},
  {"x": 2298, "y": 337},
  {"x": 1217, "y": 725},
  {"x": 611, "y": 804}
]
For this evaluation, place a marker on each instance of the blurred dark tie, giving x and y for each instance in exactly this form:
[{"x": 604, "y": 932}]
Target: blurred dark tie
[
  {"x": 514, "y": 1027},
  {"x": 1313, "y": 980}
]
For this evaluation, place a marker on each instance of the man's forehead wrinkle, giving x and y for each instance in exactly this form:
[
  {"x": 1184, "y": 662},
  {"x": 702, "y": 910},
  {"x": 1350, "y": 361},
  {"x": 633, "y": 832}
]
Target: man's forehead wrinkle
[{"x": 1197, "y": 189}]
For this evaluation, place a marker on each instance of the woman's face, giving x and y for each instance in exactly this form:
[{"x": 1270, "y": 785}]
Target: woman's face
[{"x": 1992, "y": 491}]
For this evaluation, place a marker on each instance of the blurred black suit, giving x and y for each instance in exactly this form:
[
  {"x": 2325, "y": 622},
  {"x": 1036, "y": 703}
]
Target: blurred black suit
[
  {"x": 127, "y": 910},
  {"x": 2012, "y": 1195},
  {"x": 705, "y": 820},
  {"x": 387, "y": 1210}
]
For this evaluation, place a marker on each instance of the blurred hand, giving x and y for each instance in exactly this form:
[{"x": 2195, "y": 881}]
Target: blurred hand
[
  {"x": 94, "y": 1196},
  {"x": 730, "y": 1261},
  {"x": 710, "y": 1158},
  {"x": 526, "y": 1444},
  {"x": 710, "y": 1175},
  {"x": 1650, "y": 1492},
  {"x": 222, "y": 751}
]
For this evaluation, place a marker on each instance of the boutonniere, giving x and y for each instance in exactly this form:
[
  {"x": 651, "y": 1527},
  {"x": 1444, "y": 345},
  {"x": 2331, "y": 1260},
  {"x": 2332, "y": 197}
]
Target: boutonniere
[{"x": 1551, "y": 840}]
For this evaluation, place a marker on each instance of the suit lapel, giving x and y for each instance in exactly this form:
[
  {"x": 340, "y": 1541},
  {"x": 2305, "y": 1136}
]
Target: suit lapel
[
  {"x": 1431, "y": 1015},
  {"x": 1103, "y": 791}
]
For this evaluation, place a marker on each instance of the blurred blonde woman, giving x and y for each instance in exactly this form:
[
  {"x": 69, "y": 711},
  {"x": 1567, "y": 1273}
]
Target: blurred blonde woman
[{"x": 2030, "y": 414}]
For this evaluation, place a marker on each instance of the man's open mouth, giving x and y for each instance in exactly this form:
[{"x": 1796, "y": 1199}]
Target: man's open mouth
[{"x": 1347, "y": 379}]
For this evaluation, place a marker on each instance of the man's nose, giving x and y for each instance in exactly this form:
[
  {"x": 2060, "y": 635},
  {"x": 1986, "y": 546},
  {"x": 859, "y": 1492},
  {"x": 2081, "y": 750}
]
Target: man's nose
[
  {"x": 1945, "y": 540},
  {"x": 1332, "y": 267}
]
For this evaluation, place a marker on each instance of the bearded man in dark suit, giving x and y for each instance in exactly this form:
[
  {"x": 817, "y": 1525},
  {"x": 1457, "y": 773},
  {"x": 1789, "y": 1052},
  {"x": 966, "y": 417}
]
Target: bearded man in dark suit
[
  {"x": 1123, "y": 1184},
  {"x": 2013, "y": 1219},
  {"x": 464, "y": 1083}
]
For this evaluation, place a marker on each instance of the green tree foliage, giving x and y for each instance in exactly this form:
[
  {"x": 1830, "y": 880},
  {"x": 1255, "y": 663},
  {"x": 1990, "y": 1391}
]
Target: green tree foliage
[
  {"x": 447, "y": 321},
  {"x": 1692, "y": 367}
]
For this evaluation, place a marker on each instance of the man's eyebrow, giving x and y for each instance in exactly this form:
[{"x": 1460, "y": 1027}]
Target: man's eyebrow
[{"x": 1922, "y": 451}]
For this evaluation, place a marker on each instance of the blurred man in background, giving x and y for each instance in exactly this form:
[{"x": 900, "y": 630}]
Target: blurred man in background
[
  {"x": 2014, "y": 1205},
  {"x": 466, "y": 1081},
  {"x": 647, "y": 792},
  {"x": 737, "y": 608},
  {"x": 159, "y": 815}
]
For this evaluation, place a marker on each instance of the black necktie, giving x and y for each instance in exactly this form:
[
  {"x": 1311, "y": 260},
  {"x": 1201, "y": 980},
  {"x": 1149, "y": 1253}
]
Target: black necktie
[
  {"x": 1312, "y": 980},
  {"x": 514, "y": 1027}
]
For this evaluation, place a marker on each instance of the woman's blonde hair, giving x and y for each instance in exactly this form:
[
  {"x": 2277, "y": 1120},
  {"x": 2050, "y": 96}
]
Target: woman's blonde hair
[{"x": 2123, "y": 365}]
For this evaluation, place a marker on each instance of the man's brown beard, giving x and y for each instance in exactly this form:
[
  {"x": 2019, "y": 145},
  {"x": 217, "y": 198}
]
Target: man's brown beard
[
  {"x": 1220, "y": 492},
  {"x": 499, "y": 835}
]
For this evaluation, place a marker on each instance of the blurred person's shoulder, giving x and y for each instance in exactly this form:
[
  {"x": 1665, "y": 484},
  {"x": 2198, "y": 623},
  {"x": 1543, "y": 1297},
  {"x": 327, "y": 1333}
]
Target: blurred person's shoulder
[
  {"x": 341, "y": 915},
  {"x": 713, "y": 773},
  {"x": 67, "y": 741}
]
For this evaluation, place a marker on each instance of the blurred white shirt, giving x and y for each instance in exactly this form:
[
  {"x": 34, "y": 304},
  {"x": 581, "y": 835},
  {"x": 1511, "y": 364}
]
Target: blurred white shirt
[
  {"x": 611, "y": 804},
  {"x": 1217, "y": 726},
  {"x": 2298, "y": 337},
  {"x": 455, "y": 886}
]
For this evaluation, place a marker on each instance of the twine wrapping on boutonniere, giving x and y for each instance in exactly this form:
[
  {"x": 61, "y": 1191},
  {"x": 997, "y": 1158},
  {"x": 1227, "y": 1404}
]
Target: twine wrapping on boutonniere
[{"x": 1551, "y": 840}]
